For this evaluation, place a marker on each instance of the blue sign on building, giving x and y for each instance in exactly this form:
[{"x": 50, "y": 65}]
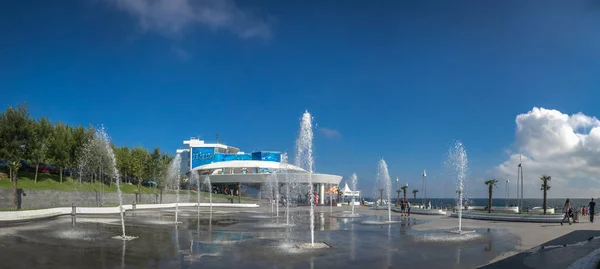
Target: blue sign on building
[
  {"x": 266, "y": 156},
  {"x": 202, "y": 156}
]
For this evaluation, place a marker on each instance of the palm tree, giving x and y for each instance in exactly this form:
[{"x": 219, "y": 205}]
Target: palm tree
[
  {"x": 404, "y": 188},
  {"x": 545, "y": 188},
  {"x": 491, "y": 183},
  {"x": 415, "y": 196},
  {"x": 398, "y": 199}
]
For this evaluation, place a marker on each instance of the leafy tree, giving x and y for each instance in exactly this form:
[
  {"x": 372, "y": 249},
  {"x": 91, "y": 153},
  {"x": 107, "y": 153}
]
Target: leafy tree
[
  {"x": 60, "y": 146},
  {"x": 415, "y": 195},
  {"x": 77, "y": 143},
  {"x": 545, "y": 188},
  {"x": 491, "y": 183},
  {"x": 404, "y": 188},
  {"x": 123, "y": 160},
  {"x": 163, "y": 167},
  {"x": 42, "y": 131},
  {"x": 139, "y": 157},
  {"x": 15, "y": 141}
]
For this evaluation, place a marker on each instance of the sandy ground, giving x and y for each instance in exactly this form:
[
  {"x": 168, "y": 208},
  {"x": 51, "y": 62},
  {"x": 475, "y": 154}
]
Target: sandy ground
[{"x": 530, "y": 234}]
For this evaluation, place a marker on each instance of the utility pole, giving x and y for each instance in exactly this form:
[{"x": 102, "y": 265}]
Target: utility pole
[
  {"x": 520, "y": 178},
  {"x": 424, "y": 186},
  {"x": 506, "y": 193}
]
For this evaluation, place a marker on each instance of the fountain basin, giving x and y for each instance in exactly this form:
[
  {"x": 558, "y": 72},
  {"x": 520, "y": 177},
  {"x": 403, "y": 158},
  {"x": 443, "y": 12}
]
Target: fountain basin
[
  {"x": 377, "y": 222},
  {"x": 461, "y": 231},
  {"x": 29, "y": 215},
  {"x": 316, "y": 245}
]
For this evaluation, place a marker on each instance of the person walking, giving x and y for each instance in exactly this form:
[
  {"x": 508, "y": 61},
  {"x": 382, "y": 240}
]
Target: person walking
[
  {"x": 591, "y": 212},
  {"x": 402, "y": 208},
  {"x": 567, "y": 211},
  {"x": 20, "y": 194}
]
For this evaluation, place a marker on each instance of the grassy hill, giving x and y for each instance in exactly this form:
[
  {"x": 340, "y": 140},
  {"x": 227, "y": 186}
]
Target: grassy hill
[{"x": 52, "y": 182}]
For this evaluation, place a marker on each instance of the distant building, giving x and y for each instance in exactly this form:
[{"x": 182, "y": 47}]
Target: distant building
[{"x": 228, "y": 165}]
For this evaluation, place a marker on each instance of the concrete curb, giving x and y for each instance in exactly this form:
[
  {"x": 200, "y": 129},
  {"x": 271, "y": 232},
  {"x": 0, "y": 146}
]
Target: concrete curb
[
  {"x": 29, "y": 215},
  {"x": 511, "y": 217},
  {"x": 423, "y": 211}
]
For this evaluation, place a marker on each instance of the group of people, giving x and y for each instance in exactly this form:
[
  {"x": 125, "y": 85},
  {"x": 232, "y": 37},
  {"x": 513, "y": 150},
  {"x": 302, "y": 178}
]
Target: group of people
[
  {"x": 568, "y": 211},
  {"x": 405, "y": 207}
]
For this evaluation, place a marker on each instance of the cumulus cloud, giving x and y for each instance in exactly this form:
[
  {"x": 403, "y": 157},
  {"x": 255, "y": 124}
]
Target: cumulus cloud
[
  {"x": 329, "y": 133},
  {"x": 170, "y": 17},
  {"x": 566, "y": 147}
]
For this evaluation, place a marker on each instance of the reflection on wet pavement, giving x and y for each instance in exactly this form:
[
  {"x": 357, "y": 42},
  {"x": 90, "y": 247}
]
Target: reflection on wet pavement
[{"x": 242, "y": 239}]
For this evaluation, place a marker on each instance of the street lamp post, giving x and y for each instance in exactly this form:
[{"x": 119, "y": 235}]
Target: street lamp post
[
  {"x": 424, "y": 186},
  {"x": 506, "y": 193}
]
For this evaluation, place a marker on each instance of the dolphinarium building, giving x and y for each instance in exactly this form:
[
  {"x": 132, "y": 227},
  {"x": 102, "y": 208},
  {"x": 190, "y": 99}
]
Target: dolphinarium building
[{"x": 227, "y": 165}]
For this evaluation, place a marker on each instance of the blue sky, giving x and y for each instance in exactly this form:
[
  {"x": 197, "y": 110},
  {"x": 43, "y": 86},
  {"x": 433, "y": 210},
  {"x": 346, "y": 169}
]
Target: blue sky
[{"x": 394, "y": 79}]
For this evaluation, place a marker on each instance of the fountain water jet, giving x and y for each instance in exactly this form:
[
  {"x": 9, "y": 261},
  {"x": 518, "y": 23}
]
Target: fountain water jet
[
  {"x": 173, "y": 175},
  {"x": 284, "y": 161},
  {"x": 354, "y": 182},
  {"x": 383, "y": 178},
  {"x": 304, "y": 159},
  {"x": 194, "y": 178},
  {"x": 457, "y": 158},
  {"x": 104, "y": 139},
  {"x": 384, "y": 182},
  {"x": 209, "y": 188}
]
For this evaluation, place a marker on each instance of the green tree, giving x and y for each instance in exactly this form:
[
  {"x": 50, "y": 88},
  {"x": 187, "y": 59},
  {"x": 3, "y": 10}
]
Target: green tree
[
  {"x": 42, "y": 131},
  {"x": 60, "y": 146},
  {"x": 545, "y": 188},
  {"x": 77, "y": 143},
  {"x": 123, "y": 157},
  {"x": 491, "y": 183},
  {"x": 163, "y": 167},
  {"x": 15, "y": 139},
  {"x": 139, "y": 157},
  {"x": 415, "y": 196},
  {"x": 404, "y": 188}
]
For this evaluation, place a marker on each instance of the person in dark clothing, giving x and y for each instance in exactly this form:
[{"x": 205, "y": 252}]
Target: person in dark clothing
[
  {"x": 567, "y": 212},
  {"x": 592, "y": 208},
  {"x": 20, "y": 193}
]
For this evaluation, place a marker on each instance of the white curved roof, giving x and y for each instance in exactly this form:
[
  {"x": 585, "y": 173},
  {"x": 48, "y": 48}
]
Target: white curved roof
[{"x": 250, "y": 164}]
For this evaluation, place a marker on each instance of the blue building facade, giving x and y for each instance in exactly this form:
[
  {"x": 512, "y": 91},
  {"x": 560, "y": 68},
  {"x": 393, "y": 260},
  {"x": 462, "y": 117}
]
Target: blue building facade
[{"x": 205, "y": 155}]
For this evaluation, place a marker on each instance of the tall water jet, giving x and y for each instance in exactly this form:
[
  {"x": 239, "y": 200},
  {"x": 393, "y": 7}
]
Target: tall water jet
[
  {"x": 457, "y": 159},
  {"x": 104, "y": 140},
  {"x": 173, "y": 175},
  {"x": 383, "y": 180},
  {"x": 209, "y": 188},
  {"x": 284, "y": 161},
  {"x": 195, "y": 179},
  {"x": 353, "y": 182},
  {"x": 304, "y": 159},
  {"x": 269, "y": 191},
  {"x": 277, "y": 198}
]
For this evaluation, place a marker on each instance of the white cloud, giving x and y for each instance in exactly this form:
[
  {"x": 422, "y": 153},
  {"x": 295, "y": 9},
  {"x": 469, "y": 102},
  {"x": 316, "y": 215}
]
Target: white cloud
[
  {"x": 170, "y": 17},
  {"x": 562, "y": 146},
  {"x": 329, "y": 133}
]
